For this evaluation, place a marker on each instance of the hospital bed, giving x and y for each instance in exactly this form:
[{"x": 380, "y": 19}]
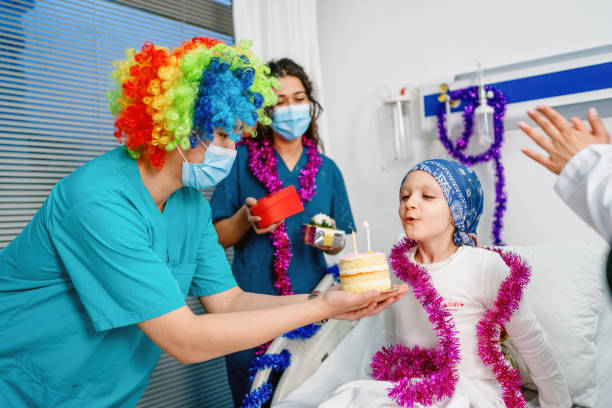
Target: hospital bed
[{"x": 567, "y": 293}]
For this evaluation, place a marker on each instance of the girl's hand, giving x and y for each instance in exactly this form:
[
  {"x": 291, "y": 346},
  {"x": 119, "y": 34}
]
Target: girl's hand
[
  {"x": 354, "y": 306},
  {"x": 253, "y": 219}
]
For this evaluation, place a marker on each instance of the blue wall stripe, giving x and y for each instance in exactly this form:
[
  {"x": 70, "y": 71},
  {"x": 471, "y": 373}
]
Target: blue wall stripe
[{"x": 571, "y": 81}]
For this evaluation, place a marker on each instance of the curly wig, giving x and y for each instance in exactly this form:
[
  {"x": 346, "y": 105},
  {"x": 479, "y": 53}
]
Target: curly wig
[{"x": 168, "y": 98}]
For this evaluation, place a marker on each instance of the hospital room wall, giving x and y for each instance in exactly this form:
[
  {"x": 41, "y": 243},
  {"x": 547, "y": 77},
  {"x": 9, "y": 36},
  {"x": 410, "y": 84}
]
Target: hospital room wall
[{"x": 367, "y": 45}]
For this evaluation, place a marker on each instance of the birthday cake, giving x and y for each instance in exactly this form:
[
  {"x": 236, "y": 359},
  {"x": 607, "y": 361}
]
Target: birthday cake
[{"x": 362, "y": 272}]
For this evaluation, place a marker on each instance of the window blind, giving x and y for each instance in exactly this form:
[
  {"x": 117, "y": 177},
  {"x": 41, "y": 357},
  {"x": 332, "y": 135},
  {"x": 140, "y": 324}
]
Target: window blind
[
  {"x": 55, "y": 61},
  {"x": 215, "y": 15}
]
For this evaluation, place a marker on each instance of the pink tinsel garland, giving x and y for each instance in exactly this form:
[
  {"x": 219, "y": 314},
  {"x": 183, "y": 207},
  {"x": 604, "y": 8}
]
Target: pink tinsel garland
[
  {"x": 262, "y": 163},
  {"x": 429, "y": 375},
  {"x": 437, "y": 367},
  {"x": 490, "y": 325}
]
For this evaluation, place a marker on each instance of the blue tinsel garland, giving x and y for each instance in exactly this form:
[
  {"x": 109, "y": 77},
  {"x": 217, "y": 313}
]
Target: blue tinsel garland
[
  {"x": 257, "y": 397},
  {"x": 280, "y": 361},
  {"x": 277, "y": 362},
  {"x": 304, "y": 332}
]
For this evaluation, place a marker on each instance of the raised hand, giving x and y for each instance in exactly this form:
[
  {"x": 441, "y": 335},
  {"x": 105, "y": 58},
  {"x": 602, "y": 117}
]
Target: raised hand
[{"x": 565, "y": 138}]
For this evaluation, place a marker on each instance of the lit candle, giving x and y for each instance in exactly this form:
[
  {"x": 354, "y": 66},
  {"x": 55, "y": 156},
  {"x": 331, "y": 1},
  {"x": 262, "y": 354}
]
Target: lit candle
[
  {"x": 354, "y": 242},
  {"x": 367, "y": 228}
]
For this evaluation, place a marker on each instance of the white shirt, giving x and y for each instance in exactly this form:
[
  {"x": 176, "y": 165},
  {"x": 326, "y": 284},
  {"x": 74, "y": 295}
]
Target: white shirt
[
  {"x": 585, "y": 184},
  {"x": 469, "y": 281}
]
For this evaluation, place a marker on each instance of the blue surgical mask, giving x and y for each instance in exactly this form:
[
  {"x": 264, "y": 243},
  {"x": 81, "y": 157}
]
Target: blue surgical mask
[
  {"x": 292, "y": 121},
  {"x": 216, "y": 166}
]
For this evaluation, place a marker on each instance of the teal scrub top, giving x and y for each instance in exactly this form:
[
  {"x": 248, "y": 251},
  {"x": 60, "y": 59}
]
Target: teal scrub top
[
  {"x": 254, "y": 254},
  {"x": 97, "y": 258}
]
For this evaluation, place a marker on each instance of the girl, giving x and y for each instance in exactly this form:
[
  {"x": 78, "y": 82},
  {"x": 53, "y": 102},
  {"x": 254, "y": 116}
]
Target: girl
[{"x": 442, "y": 343}]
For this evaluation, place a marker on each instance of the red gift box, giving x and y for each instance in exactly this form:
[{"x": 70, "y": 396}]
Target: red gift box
[{"x": 277, "y": 206}]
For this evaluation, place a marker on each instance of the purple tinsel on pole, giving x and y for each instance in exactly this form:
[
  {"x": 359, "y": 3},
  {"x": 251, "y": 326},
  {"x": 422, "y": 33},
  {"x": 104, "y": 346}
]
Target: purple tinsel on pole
[{"x": 456, "y": 149}]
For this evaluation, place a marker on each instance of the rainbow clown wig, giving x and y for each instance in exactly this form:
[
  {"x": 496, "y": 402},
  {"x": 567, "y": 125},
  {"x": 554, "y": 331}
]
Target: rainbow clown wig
[{"x": 165, "y": 99}]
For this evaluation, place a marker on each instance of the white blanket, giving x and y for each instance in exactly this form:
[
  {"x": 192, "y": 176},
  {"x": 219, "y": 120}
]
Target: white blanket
[{"x": 343, "y": 379}]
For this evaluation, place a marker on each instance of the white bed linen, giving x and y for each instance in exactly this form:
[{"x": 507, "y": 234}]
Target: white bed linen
[
  {"x": 603, "y": 339},
  {"x": 343, "y": 380},
  {"x": 350, "y": 360}
]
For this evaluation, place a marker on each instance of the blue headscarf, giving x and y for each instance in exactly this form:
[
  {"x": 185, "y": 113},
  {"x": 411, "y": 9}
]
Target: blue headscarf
[{"x": 463, "y": 192}]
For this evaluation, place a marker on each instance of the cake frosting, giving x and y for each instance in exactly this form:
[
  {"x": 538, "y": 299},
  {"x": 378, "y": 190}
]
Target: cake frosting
[{"x": 362, "y": 272}]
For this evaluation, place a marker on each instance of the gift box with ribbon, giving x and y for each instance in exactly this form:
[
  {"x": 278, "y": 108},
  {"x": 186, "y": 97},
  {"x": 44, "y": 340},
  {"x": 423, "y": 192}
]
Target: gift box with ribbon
[
  {"x": 277, "y": 206},
  {"x": 323, "y": 236}
]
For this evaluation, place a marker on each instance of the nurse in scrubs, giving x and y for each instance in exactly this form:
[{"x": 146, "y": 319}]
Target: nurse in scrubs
[
  {"x": 93, "y": 289},
  {"x": 283, "y": 154}
]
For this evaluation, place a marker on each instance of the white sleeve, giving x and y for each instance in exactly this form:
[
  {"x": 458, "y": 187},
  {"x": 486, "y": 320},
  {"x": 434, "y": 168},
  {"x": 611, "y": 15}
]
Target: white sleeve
[
  {"x": 585, "y": 184},
  {"x": 530, "y": 340}
]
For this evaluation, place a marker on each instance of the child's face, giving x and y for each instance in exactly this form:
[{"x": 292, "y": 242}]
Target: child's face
[{"x": 423, "y": 208}]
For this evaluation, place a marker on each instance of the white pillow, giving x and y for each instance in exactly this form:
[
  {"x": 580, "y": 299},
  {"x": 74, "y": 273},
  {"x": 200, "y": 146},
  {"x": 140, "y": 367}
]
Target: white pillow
[
  {"x": 566, "y": 293},
  {"x": 604, "y": 352}
]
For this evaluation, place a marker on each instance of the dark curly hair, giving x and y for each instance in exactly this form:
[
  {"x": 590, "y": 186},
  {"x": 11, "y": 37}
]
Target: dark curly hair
[{"x": 287, "y": 67}]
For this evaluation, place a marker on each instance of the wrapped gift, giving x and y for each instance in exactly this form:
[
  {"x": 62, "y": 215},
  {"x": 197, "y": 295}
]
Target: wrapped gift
[
  {"x": 277, "y": 206},
  {"x": 323, "y": 236}
]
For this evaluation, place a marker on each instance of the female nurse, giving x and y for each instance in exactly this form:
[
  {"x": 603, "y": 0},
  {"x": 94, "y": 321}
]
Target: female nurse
[
  {"x": 93, "y": 289},
  {"x": 283, "y": 154}
]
